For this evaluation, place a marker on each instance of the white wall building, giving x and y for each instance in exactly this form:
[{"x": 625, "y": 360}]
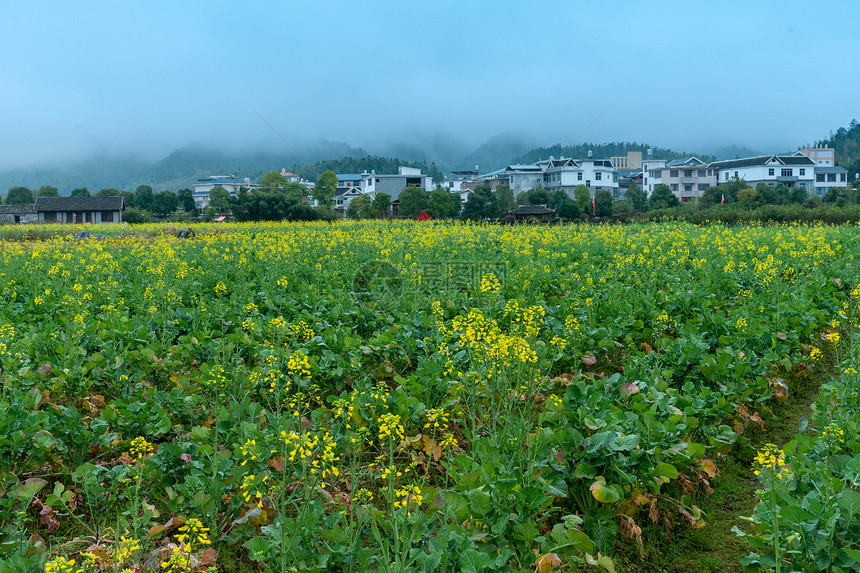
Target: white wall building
[
  {"x": 566, "y": 174},
  {"x": 687, "y": 178},
  {"x": 228, "y": 182},
  {"x": 652, "y": 174},
  {"x": 771, "y": 170}
]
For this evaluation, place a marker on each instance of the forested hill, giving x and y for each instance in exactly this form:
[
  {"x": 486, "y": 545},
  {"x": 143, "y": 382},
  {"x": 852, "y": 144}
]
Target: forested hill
[
  {"x": 601, "y": 151},
  {"x": 358, "y": 164},
  {"x": 846, "y": 142}
]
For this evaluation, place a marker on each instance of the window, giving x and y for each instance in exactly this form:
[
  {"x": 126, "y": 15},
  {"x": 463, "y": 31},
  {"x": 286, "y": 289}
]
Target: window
[
  {"x": 107, "y": 216},
  {"x": 819, "y": 177},
  {"x": 726, "y": 176},
  {"x": 842, "y": 176},
  {"x": 673, "y": 173},
  {"x": 701, "y": 172},
  {"x": 674, "y": 186},
  {"x": 736, "y": 174},
  {"x": 710, "y": 172},
  {"x": 831, "y": 177},
  {"x": 688, "y": 187},
  {"x": 615, "y": 192},
  {"x": 655, "y": 174},
  {"x": 786, "y": 172},
  {"x": 703, "y": 186},
  {"x": 770, "y": 172},
  {"x": 598, "y": 176},
  {"x": 802, "y": 171},
  {"x": 588, "y": 182},
  {"x": 579, "y": 176},
  {"x": 688, "y": 173}
]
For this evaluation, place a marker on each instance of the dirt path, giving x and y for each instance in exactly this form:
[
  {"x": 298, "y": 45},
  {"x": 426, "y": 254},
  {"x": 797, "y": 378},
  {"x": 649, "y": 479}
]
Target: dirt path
[{"x": 715, "y": 548}]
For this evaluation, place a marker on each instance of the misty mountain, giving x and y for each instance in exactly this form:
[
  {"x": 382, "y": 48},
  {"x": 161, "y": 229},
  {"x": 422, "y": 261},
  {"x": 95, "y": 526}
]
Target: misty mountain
[
  {"x": 735, "y": 152},
  {"x": 601, "y": 151},
  {"x": 435, "y": 155},
  {"x": 181, "y": 168}
]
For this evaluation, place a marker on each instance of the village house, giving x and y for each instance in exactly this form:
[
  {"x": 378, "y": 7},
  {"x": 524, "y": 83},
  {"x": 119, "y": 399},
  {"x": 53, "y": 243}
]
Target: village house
[
  {"x": 567, "y": 174},
  {"x": 232, "y": 184},
  {"x": 18, "y": 214},
  {"x": 79, "y": 209},
  {"x": 790, "y": 170}
]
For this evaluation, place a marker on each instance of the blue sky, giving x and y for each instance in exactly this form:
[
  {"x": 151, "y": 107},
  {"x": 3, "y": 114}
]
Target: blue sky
[{"x": 147, "y": 77}]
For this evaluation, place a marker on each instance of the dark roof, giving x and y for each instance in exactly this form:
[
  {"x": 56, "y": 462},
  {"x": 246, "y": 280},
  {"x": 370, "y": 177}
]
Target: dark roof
[
  {"x": 79, "y": 203},
  {"x": 523, "y": 168},
  {"x": 531, "y": 210},
  {"x": 17, "y": 209},
  {"x": 762, "y": 160},
  {"x": 795, "y": 160},
  {"x": 836, "y": 169},
  {"x": 688, "y": 162}
]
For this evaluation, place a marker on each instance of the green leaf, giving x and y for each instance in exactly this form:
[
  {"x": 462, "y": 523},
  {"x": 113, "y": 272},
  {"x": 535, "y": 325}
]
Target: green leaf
[
  {"x": 849, "y": 501},
  {"x": 601, "y": 561},
  {"x": 474, "y": 561},
  {"x": 480, "y": 501},
  {"x": 626, "y": 443},
  {"x": 556, "y": 487},
  {"x": 666, "y": 472},
  {"x": 258, "y": 548},
  {"x": 571, "y": 538},
  {"x": 585, "y": 471},
  {"x": 27, "y": 490},
  {"x": 503, "y": 557},
  {"x": 455, "y": 504},
  {"x": 795, "y": 514},
  {"x": 201, "y": 433},
  {"x": 605, "y": 493},
  {"x": 853, "y": 554}
]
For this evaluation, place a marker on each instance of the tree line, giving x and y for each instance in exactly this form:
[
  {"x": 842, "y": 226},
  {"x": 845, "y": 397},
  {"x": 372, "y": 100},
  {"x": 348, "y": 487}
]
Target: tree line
[{"x": 139, "y": 205}]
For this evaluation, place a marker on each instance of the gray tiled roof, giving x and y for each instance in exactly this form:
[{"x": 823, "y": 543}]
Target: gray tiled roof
[
  {"x": 531, "y": 210},
  {"x": 79, "y": 203},
  {"x": 762, "y": 160},
  {"x": 688, "y": 162},
  {"x": 17, "y": 209}
]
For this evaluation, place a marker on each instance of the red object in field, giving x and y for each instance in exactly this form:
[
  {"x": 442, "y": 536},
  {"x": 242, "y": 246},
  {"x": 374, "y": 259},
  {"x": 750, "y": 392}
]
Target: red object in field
[{"x": 424, "y": 216}]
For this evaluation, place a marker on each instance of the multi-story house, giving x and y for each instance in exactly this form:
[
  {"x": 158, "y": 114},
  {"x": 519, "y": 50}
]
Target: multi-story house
[
  {"x": 771, "y": 170},
  {"x": 652, "y": 173},
  {"x": 351, "y": 185},
  {"x": 566, "y": 174},
  {"x": 228, "y": 182},
  {"x": 822, "y": 156},
  {"x": 633, "y": 160},
  {"x": 688, "y": 178},
  {"x": 374, "y": 183},
  {"x": 520, "y": 178}
]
